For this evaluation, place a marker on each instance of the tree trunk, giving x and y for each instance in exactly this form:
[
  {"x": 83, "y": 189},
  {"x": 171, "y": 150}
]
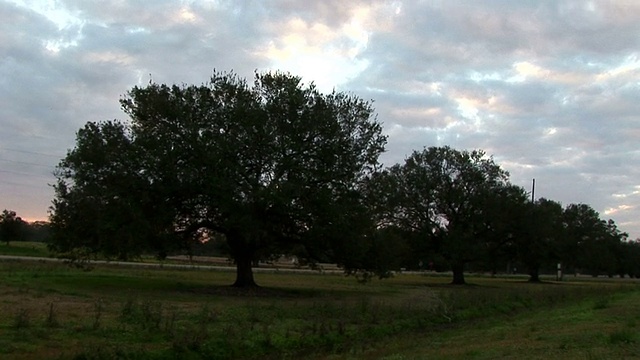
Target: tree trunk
[
  {"x": 244, "y": 272},
  {"x": 244, "y": 254},
  {"x": 458, "y": 273}
]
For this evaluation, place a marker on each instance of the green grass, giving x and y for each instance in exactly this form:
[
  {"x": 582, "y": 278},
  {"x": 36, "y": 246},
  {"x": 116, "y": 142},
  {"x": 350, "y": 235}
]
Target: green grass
[
  {"x": 24, "y": 248},
  {"x": 579, "y": 329},
  {"x": 55, "y": 311}
]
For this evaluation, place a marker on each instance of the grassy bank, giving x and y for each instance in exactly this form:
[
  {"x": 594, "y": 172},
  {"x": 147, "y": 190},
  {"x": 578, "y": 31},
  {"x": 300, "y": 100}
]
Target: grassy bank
[
  {"x": 53, "y": 311},
  {"x": 606, "y": 326},
  {"x": 24, "y": 248}
]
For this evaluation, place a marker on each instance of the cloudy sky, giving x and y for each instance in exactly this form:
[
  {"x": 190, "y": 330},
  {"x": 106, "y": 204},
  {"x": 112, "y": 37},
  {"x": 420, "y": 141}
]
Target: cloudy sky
[{"x": 551, "y": 89}]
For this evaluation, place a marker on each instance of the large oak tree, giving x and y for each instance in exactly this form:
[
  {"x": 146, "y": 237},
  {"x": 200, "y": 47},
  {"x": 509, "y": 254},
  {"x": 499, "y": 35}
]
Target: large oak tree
[
  {"x": 542, "y": 236},
  {"x": 451, "y": 200},
  {"x": 274, "y": 167}
]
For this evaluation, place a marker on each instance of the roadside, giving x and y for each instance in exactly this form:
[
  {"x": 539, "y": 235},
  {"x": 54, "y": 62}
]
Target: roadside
[{"x": 200, "y": 265}]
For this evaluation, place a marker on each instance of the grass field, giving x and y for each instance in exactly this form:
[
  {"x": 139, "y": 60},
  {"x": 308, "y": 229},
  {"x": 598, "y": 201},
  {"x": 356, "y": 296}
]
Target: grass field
[
  {"x": 602, "y": 327},
  {"x": 24, "y": 248},
  {"x": 55, "y": 311}
]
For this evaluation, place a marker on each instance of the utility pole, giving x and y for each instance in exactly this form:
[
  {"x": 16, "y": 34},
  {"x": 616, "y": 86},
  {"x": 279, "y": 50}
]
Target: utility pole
[{"x": 533, "y": 190}]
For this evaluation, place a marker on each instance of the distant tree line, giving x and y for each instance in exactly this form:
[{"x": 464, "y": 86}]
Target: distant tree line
[
  {"x": 14, "y": 228},
  {"x": 455, "y": 210},
  {"x": 277, "y": 168}
]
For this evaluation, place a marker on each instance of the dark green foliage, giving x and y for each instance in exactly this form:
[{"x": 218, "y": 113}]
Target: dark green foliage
[
  {"x": 448, "y": 199},
  {"x": 276, "y": 168},
  {"x": 273, "y": 168},
  {"x": 103, "y": 201},
  {"x": 542, "y": 232},
  {"x": 628, "y": 256},
  {"x": 38, "y": 231},
  {"x": 12, "y": 227},
  {"x": 506, "y": 217},
  {"x": 592, "y": 245}
]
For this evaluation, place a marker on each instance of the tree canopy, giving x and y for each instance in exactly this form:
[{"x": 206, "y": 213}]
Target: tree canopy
[
  {"x": 443, "y": 196},
  {"x": 541, "y": 236},
  {"x": 275, "y": 167},
  {"x": 12, "y": 227}
]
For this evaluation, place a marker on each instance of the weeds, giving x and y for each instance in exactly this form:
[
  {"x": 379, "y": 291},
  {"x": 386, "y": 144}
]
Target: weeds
[
  {"x": 207, "y": 315},
  {"x": 170, "y": 324},
  {"x": 624, "y": 336},
  {"x": 128, "y": 309},
  {"x": 190, "y": 340},
  {"x": 51, "y": 321},
  {"x": 22, "y": 319},
  {"x": 98, "y": 308},
  {"x": 601, "y": 303},
  {"x": 151, "y": 312},
  {"x": 148, "y": 314}
]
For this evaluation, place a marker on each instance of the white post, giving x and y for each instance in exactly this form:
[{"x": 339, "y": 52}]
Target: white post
[{"x": 559, "y": 276}]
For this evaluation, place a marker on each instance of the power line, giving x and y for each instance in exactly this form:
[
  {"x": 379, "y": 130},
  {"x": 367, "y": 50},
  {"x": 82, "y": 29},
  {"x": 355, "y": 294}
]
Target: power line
[
  {"x": 24, "y": 174},
  {"x": 11, "y": 183},
  {"x": 27, "y": 163},
  {"x": 42, "y": 197},
  {"x": 31, "y": 152}
]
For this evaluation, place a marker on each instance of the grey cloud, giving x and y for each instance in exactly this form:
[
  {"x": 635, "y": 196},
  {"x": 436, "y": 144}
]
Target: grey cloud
[
  {"x": 572, "y": 125},
  {"x": 333, "y": 13},
  {"x": 447, "y": 42}
]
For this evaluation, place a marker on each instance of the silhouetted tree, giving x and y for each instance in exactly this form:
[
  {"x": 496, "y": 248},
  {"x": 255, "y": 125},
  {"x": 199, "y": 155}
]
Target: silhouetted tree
[
  {"x": 590, "y": 243},
  {"x": 105, "y": 202},
  {"x": 38, "y": 231},
  {"x": 273, "y": 168},
  {"x": 538, "y": 245},
  {"x": 12, "y": 227},
  {"x": 507, "y": 216},
  {"x": 629, "y": 258},
  {"x": 445, "y": 197}
]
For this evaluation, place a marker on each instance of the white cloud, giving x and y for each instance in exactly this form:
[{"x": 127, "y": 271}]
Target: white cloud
[
  {"x": 618, "y": 209},
  {"x": 328, "y": 56}
]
